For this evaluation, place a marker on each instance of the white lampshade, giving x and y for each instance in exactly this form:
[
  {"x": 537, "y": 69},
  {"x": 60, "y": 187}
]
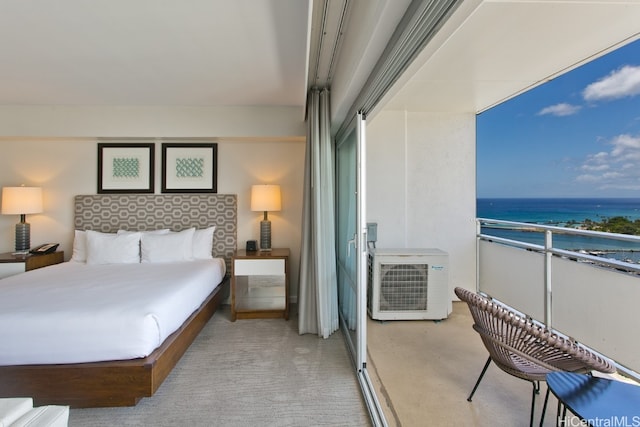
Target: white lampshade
[
  {"x": 21, "y": 200},
  {"x": 266, "y": 198}
]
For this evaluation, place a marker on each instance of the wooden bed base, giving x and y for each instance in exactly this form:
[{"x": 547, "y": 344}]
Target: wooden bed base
[{"x": 111, "y": 383}]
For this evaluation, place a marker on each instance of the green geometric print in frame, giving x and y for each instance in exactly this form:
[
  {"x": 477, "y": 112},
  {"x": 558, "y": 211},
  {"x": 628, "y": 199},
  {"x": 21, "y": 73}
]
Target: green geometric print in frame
[
  {"x": 190, "y": 167},
  {"x": 126, "y": 167}
]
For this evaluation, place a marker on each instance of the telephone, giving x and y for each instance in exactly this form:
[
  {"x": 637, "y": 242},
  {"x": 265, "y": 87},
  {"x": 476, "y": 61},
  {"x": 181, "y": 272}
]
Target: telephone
[{"x": 47, "y": 248}]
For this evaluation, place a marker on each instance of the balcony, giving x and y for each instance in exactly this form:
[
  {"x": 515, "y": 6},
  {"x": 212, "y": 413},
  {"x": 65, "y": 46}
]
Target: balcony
[{"x": 566, "y": 278}]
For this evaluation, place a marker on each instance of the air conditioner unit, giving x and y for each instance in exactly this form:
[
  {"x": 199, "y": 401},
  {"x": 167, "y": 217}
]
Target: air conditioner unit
[{"x": 408, "y": 284}]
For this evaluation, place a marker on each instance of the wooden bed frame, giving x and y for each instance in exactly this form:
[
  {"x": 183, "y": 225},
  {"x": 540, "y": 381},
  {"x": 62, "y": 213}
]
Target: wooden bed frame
[
  {"x": 125, "y": 382},
  {"x": 113, "y": 383}
]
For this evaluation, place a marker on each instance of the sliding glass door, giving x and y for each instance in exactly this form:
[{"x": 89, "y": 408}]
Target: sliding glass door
[
  {"x": 346, "y": 252},
  {"x": 351, "y": 253}
]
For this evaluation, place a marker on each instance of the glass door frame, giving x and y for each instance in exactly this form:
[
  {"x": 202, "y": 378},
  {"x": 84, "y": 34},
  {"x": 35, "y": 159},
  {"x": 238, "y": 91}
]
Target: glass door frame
[
  {"x": 361, "y": 239},
  {"x": 358, "y": 350}
]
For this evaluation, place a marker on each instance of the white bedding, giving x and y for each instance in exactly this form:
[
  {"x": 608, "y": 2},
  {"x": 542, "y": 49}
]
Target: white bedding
[{"x": 74, "y": 312}]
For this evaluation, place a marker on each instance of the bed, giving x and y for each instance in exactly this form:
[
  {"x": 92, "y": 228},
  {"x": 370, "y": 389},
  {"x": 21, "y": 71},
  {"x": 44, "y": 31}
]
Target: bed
[{"x": 115, "y": 377}]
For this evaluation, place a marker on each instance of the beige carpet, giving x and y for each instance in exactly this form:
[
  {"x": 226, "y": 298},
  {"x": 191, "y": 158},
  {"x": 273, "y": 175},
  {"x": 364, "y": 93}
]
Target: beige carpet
[{"x": 249, "y": 373}]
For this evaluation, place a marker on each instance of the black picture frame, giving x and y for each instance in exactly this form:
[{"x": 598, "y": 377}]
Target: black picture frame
[
  {"x": 126, "y": 168},
  {"x": 189, "y": 167}
]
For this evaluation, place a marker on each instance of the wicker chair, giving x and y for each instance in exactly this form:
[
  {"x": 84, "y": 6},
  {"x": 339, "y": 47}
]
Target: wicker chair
[{"x": 526, "y": 349}]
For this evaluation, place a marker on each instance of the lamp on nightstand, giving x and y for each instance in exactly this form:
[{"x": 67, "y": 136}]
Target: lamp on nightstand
[
  {"x": 265, "y": 198},
  {"x": 22, "y": 201}
]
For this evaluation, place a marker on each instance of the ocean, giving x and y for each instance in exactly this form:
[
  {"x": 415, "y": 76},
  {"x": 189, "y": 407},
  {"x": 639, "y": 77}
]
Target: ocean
[
  {"x": 560, "y": 212},
  {"x": 557, "y": 211}
]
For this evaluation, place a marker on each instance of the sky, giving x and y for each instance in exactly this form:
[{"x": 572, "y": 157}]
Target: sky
[{"x": 575, "y": 136}]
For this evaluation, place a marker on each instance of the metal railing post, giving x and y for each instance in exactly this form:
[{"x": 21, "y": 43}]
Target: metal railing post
[
  {"x": 548, "y": 246},
  {"x": 478, "y": 233}
]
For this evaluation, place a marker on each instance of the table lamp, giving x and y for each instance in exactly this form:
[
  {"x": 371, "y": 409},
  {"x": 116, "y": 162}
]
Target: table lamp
[
  {"x": 22, "y": 201},
  {"x": 265, "y": 198}
]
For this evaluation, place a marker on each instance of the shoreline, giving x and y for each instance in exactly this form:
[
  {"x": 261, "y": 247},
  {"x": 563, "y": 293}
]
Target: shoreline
[{"x": 603, "y": 247}]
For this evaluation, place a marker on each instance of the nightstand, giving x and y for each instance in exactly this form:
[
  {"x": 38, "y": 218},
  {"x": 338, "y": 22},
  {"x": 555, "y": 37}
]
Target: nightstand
[
  {"x": 260, "y": 284},
  {"x": 11, "y": 264}
]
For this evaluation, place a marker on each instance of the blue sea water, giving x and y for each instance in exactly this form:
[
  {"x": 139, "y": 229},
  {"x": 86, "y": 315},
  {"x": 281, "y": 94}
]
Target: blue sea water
[
  {"x": 557, "y": 211},
  {"x": 560, "y": 212}
]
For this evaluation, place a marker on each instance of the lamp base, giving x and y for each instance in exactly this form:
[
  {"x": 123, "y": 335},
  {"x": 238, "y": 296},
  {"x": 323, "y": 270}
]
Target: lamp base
[
  {"x": 265, "y": 235},
  {"x": 23, "y": 237}
]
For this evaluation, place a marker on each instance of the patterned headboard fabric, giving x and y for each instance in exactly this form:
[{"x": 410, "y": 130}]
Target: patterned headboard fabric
[{"x": 109, "y": 213}]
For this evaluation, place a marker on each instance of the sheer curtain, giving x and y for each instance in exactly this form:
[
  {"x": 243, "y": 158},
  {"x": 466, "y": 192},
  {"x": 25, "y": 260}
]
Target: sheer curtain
[{"x": 318, "y": 295}]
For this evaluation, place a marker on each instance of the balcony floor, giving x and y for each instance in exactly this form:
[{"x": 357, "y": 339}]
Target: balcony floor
[{"x": 424, "y": 370}]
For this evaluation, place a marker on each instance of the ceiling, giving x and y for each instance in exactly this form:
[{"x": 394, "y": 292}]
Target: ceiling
[
  {"x": 492, "y": 50},
  {"x": 149, "y": 52},
  {"x": 268, "y": 52}
]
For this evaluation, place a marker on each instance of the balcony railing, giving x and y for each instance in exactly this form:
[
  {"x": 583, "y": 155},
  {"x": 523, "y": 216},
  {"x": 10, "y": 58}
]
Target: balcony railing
[{"x": 583, "y": 284}]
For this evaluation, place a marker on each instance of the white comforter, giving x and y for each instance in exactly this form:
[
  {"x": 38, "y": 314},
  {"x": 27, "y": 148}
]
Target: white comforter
[{"x": 73, "y": 312}]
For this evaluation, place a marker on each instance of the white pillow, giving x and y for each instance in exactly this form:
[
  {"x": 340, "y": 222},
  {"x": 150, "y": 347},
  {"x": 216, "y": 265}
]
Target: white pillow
[
  {"x": 159, "y": 231},
  {"x": 167, "y": 247},
  {"x": 108, "y": 248},
  {"x": 203, "y": 243},
  {"x": 79, "y": 246}
]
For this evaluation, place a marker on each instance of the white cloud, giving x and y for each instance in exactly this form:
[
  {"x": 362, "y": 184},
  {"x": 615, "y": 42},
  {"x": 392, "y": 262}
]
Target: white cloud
[
  {"x": 618, "y": 168},
  {"x": 612, "y": 175},
  {"x": 594, "y": 168},
  {"x": 618, "y": 84},
  {"x": 596, "y": 161},
  {"x": 562, "y": 109},
  {"x": 586, "y": 178},
  {"x": 631, "y": 186},
  {"x": 624, "y": 145}
]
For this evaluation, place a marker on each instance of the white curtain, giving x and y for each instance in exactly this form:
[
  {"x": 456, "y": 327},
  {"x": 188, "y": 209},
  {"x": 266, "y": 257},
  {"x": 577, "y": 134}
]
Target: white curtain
[{"x": 318, "y": 294}]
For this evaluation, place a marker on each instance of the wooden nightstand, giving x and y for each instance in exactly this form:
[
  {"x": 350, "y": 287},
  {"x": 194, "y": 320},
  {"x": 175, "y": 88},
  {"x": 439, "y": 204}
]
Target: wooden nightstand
[
  {"x": 11, "y": 264},
  {"x": 260, "y": 284}
]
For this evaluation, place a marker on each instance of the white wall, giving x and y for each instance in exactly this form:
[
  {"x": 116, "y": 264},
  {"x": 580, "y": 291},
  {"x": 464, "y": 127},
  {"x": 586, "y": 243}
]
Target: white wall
[
  {"x": 421, "y": 185},
  {"x": 151, "y": 121},
  {"x": 64, "y": 164}
]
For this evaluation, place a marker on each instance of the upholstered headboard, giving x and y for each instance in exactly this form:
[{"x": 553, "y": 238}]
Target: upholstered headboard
[{"x": 109, "y": 213}]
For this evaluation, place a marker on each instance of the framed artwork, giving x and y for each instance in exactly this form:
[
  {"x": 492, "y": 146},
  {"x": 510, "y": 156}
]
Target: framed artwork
[
  {"x": 126, "y": 168},
  {"x": 189, "y": 168}
]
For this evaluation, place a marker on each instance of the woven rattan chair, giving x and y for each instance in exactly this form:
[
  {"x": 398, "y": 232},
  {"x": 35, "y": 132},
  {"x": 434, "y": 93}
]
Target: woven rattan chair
[{"x": 525, "y": 349}]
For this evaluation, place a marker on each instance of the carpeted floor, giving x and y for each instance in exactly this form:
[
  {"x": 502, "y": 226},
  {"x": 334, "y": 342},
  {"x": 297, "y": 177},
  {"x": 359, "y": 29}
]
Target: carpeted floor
[{"x": 249, "y": 373}]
